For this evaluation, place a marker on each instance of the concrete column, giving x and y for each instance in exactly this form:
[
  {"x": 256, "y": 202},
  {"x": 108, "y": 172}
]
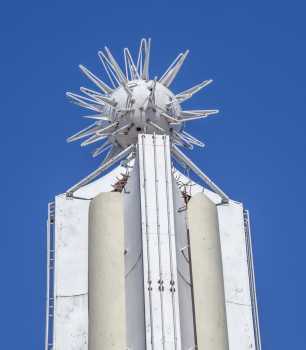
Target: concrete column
[
  {"x": 107, "y": 324},
  {"x": 207, "y": 276}
]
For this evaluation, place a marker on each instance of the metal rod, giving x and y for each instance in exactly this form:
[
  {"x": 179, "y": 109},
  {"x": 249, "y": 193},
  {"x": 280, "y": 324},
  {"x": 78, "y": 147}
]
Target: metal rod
[
  {"x": 252, "y": 279},
  {"x": 149, "y": 280},
  {"x": 48, "y": 282},
  {"x": 172, "y": 250},
  {"x": 98, "y": 171},
  {"x": 161, "y": 277},
  {"x": 182, "y": 157}
]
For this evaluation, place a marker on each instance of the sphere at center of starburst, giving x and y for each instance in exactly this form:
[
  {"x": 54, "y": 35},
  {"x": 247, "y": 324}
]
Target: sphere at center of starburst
[{"x": 143, "y": 102}]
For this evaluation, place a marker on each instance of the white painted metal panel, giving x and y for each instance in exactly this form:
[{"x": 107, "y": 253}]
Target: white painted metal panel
[
  {"x": 134, "y": 286},
  {"x": 159, "y": 251},
  {"x": 236, "y": 277},
  {"x": 184, "y": 270},
  {"x": 71, "y": 257},
  {"x": 71, "y": 323},
  {"x": 71, "y": 274}
]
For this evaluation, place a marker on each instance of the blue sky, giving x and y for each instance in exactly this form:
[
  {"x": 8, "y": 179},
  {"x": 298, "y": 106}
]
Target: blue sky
[{"x": 254, "y": 51}]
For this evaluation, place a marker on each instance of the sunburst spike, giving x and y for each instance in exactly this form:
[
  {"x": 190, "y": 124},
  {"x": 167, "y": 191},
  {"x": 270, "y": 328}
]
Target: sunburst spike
[
  {"x": 168, "y": 78},
  {"x": 183, "y": 140},
  {"x": 101, "y": 117},
  {"x": 200, "y": 114},
  {"x": 122, "y": 129},
  {"x": 89, "y": 130},
  {"x": 109, "y": 69},
  {"x": 139, "y": 64},
  {"x": 113, "y": 152},
  {"x": 104, "y": 147},
  {"x": 181, "y": 157},
  {"x": 103, "y": 86},
  {"x": 146, "y": 61},
  {"x": 130, "y": 67},
  {"x": 185, "y": 95},
  {"x": 94, "y": 138},
  {"x": 169, "y": 118},
  {"x": 157, "y": 127},
  {"x": 91, "y": 93},
  {"x": 98, "y": 97},
  {"x": 115, "y": 65},
  {"x": 171, "y": 66},
  {"x": 85, "y": 102},
  {"x": 100, "y": 134},
  {"x": 192, "y": 139},
  {"x": 125, "y": 153},
  {"x": 80, "y": 98},
  {"x": 152, "y": 93}
]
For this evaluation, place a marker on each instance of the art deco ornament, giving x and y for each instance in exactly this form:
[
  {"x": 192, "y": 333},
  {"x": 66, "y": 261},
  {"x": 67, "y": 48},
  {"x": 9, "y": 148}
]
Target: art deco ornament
[{"x": 135, "y": 104}]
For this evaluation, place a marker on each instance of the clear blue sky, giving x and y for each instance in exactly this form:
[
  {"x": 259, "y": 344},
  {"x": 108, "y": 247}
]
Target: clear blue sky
[{"x": 254, "y": 51}]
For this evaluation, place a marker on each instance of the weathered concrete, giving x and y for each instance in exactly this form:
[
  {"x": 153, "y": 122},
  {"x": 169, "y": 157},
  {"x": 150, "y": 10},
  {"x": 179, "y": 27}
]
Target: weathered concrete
[
  {"x": 207, "y": 275},
  {"x": 107, "y": 323}
]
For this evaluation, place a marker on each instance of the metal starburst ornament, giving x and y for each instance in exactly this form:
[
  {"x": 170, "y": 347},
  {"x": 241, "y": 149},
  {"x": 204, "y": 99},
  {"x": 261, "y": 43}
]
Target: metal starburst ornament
[{"x": 133, "y": 103}]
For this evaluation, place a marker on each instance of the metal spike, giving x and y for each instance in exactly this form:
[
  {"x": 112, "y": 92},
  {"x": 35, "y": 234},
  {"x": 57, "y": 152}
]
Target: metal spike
[
  {"x": 192, "y": 139},
  {"x": 183, "y": 140},
  {"x": 80, "y": 98},
  {"x": 151, "y": 97},
  {"x": 183, "y": 158},
  {"x": 130, "y": 65},
  {"x": 101, "y": 117},
  {"x": 106, "y": 145},
  {"x": 185, "y": 95},
  {"x": 89, "y": 130},
  {"x": 85, "y": 102},
  {"x": 103, "y": 86},
  {"x": 112, "y": 75},
  {"x": 139, "y": 65},
  {"x": 115, "y": 66},
  {"x": 100, "y": 134},
  {"x": 157, "y": 127},
  {"x": 102, "y": 168},
  {"x": 121, "y": 129},
  {"x": 146, "y": 61},
  {"x": 198, "y": 112},
  {"x": 189, "y": 115},
  {"x": 116, "y": 149},
  {"x": 95, "y": 138},
  {"x": 171, "y": 66},
  {"x": 98, "y": 97},
  {"x": 127, "y": 89},
  {"x": 168, "y": 78},
  {"x": 170, "y": 118},
  {"x": 91, "y": 93}
]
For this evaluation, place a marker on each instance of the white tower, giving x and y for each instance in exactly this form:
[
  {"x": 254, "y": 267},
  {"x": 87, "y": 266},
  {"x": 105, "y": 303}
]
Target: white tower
[{"x": 144, "y": 258}]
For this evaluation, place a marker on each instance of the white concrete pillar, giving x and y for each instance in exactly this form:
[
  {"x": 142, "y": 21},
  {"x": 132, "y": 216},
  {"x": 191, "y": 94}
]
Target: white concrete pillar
[
  {"x": 107, "y": 323},
  {"x": 208, "y": 288}
]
